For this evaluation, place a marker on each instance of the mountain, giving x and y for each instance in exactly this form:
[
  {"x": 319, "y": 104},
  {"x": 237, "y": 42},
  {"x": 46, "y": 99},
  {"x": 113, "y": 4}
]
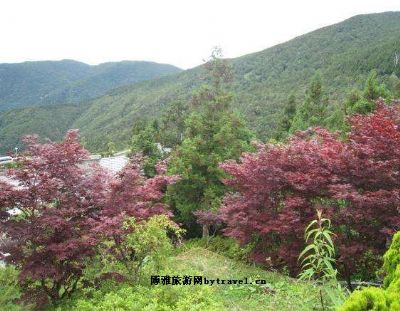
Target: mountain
[
  {"x": 47, "y": 121},
  {"x": 56, "y": 82},
  {"x": 343, "y": 53}
]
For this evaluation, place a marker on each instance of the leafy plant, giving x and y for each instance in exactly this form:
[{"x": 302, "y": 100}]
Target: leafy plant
[
  {"x": 319, "y": 256},
  {"x": 146, "y": 243},
  {"x": 61, "y": 211},
  {"x": 137, "y": 298},
  {"x": 10, "y": 291}
]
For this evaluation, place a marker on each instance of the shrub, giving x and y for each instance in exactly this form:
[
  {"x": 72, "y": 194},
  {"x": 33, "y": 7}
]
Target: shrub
[
  {"x": 159, "y": 297},
  {"x": 145, "y": 244},
  {"x": 392, "y": 260},
  {"x": 10, "y": 291},
  {"x": 383, "y": 299},
  {"x": 319, "y": 255}
]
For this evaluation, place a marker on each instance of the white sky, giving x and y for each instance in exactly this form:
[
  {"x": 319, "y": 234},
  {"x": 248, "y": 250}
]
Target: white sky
[{"x": 179, "y": 32}]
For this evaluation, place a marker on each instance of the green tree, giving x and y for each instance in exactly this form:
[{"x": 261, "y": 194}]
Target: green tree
[
  {"x": 173, "y": 124},
  {"x": 364, "y": 102},
  {"x": 214, "y": 133},
  {"x": 110, "y": 149},
  {"x": 144, "y": 141},
  {"x": 313, "y": 111},
  {"x": 286, "y": 120},
  {"x": 394, "y": 83},
  {"x": 373, "y": 89}
]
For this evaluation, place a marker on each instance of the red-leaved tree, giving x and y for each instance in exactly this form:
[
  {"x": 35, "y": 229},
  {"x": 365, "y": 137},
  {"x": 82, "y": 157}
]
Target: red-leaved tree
[
  {"x": 61, "y": 210},
  {"x": 132, "y": 195},
  {"x": 368, "y": 183},
  {"x": 46, "y": 218},
  {"x": 276, "y": 191}
]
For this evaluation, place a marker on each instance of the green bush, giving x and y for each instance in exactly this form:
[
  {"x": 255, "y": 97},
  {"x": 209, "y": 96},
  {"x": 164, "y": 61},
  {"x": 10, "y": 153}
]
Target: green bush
[
  {"x": 392, "y": 260},
  {"x": 370, "y": 298},
  {"x": 163, "y": 298},
  {"x": 382, "y": 299},
  {"x": 9, "y": 289},
  {"x": 144, "y": 250},
  {"x": 393, "y": 291}
]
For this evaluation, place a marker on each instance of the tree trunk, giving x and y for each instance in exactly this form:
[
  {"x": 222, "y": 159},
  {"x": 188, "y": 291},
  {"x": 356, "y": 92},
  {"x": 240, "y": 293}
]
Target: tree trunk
[{"x": 206, "y": 231}]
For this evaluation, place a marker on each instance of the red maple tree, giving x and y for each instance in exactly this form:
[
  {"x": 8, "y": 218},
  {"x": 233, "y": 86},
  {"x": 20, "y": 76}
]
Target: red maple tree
[
  {"x": 276, "y": 191},
  {"x": 131, "y": 194},
  {"x": 48, "y": 232},
  {"x": 60, "y": 211}
]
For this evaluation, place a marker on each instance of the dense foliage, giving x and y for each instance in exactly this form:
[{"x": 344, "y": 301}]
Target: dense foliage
[
  {"x": 276, "y": 191},
  {"x": 61, "y": 210},
  {"x": 40, "y": 121},
  {"x": 363, "y": 102},
  {"x": 213, "y": 133},
  {"x": 313, "y": 111},
  {"x": 166, "y": 298},
  {"x": 49, "y": 234},
  {"x": 386, "y": 299},
  {"x": 145, "y": 141},
  {"x": 10, "y": 292}
]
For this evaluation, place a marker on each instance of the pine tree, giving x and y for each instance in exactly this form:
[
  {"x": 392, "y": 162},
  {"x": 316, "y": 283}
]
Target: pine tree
[
  {"x": 173, "y": 124},
  {"x": 286, "y": 120},
  {"x": 313, "y": 111},
  {"x": 214, "y": 133},
  {"x": 373, "y": 89},
  {"x": 364, "y": 102},
  {"x": 145, "y": 143}
]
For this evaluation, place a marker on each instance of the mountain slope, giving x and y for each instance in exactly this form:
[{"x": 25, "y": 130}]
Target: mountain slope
[
  {"x": 56, "y": 82},
  {"x": 344, "y": 54},
  {"x": 48, "y": 122}
]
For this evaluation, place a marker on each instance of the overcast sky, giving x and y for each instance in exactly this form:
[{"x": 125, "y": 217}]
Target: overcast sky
[{"x": 178, "y": 32}]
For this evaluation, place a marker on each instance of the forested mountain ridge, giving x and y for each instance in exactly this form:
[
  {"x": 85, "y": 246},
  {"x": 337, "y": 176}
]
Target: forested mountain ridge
[
  {"x": 343, "y": 53},
  {"x": 56, "y": 82}
]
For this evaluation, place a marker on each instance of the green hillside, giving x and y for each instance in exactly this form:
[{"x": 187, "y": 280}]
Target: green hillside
[
  {"x": 344, "y": 54},
  {"x": 48, "y": 122},
  {"x": 67, "y": 81}
]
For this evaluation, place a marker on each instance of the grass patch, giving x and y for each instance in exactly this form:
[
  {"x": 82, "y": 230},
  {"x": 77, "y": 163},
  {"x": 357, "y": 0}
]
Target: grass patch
[{"x": 280, "y": 292}]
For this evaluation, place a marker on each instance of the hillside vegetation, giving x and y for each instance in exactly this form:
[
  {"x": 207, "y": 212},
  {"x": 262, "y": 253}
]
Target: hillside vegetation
[
  {"x": 67, "y": 81},
  {"x": 48, "y": 122},
  {"x": 343, "y": 53}
]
